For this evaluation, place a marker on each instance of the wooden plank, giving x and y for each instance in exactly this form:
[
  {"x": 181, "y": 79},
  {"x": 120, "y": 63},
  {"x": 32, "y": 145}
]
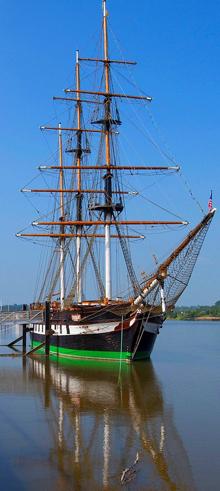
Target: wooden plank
[
  {"x": 35, "y": 349},
  {"x": 15, "y": 341}
]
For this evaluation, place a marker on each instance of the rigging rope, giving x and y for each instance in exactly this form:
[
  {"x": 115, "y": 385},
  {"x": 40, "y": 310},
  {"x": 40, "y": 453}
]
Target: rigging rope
[
  {"x": 128, "y": 262},
  {"x": 74, "y": 287},
  {"x": 58, "y": 271},
  {"x": 97, "y": 273},
  {"x": 157, "y": 128}
]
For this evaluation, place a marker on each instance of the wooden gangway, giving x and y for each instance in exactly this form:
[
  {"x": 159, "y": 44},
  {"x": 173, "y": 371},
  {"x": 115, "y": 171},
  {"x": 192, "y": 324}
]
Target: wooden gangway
[{"x": 21, "y": 317}]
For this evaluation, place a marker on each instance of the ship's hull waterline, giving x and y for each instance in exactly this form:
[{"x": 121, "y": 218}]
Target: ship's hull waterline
[{"x": 128, "y": 340}]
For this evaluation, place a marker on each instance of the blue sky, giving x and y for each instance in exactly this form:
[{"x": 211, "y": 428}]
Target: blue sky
[{"x": 177, "y": 48}]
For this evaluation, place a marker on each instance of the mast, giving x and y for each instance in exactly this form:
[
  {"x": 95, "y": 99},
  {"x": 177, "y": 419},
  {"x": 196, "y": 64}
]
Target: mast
[
  {"x": 108, "y": 176},
  {"x": 62, "y": 218},
  {"x": 79, "y": 195}
]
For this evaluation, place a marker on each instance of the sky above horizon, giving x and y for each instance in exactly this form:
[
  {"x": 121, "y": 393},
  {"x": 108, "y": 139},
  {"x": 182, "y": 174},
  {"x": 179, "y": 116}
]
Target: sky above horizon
[{"x": 177, "y": 49}]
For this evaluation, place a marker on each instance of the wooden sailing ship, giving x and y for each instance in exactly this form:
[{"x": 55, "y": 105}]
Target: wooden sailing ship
[{"x": 89, "y": 201}]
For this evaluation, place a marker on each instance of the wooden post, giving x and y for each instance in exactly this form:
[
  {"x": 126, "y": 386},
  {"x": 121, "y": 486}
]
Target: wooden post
[
  {"x": 47, "y": 383},
  {"x": 24, "y": 330},
  {"x": 47, "y": 327}
]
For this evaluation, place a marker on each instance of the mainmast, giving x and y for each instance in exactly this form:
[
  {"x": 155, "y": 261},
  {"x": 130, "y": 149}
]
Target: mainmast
[
  {"x": 62, "y": 218},
  {"x": 108, "y": 176},
  {"x": 79, "y": 194}
]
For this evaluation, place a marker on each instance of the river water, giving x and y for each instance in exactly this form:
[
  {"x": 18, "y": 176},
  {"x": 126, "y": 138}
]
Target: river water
[{"x": 76, "y": 425}]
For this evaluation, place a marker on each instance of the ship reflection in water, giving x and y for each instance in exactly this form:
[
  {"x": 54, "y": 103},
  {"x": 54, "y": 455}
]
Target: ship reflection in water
[{"x": 96, "y": 426}]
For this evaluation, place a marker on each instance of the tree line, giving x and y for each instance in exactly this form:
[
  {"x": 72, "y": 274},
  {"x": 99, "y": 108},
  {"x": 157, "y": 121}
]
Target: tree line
[{"x": 190, "y": 313}]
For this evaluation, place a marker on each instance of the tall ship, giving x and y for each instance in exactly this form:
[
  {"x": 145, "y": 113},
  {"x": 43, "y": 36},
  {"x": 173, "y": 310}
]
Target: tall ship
[{"x": 99, "y": 212}]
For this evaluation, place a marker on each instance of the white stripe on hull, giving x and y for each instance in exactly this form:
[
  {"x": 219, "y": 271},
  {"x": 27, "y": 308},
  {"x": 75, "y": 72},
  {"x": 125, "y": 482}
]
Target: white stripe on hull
[
  {"x": 63, "y": 329},
  {"x": 97, "y": 328}
]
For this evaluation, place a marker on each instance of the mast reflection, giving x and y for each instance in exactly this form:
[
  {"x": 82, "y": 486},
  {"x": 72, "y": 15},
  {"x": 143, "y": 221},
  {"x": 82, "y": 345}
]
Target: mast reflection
[{"x": 98, "y": 426}]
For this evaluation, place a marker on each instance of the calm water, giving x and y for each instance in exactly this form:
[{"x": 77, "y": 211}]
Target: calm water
[{"x": 72, "y": 426}]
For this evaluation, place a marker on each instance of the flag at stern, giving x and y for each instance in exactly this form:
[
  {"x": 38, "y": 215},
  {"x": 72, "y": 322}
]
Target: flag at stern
[{"x": 210, "y": 202}]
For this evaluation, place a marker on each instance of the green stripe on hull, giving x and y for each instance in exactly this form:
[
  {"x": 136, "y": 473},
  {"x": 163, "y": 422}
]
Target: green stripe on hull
[{"x": 101, "y": 355}]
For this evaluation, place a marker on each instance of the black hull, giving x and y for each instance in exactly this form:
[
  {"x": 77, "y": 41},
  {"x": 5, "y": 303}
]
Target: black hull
[{"x": 129, "y": 344}]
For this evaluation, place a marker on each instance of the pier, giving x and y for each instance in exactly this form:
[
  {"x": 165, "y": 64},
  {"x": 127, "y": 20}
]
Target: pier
[
  {"x": 25, "y": 318},
  {"x": 21, "y": 317}
]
